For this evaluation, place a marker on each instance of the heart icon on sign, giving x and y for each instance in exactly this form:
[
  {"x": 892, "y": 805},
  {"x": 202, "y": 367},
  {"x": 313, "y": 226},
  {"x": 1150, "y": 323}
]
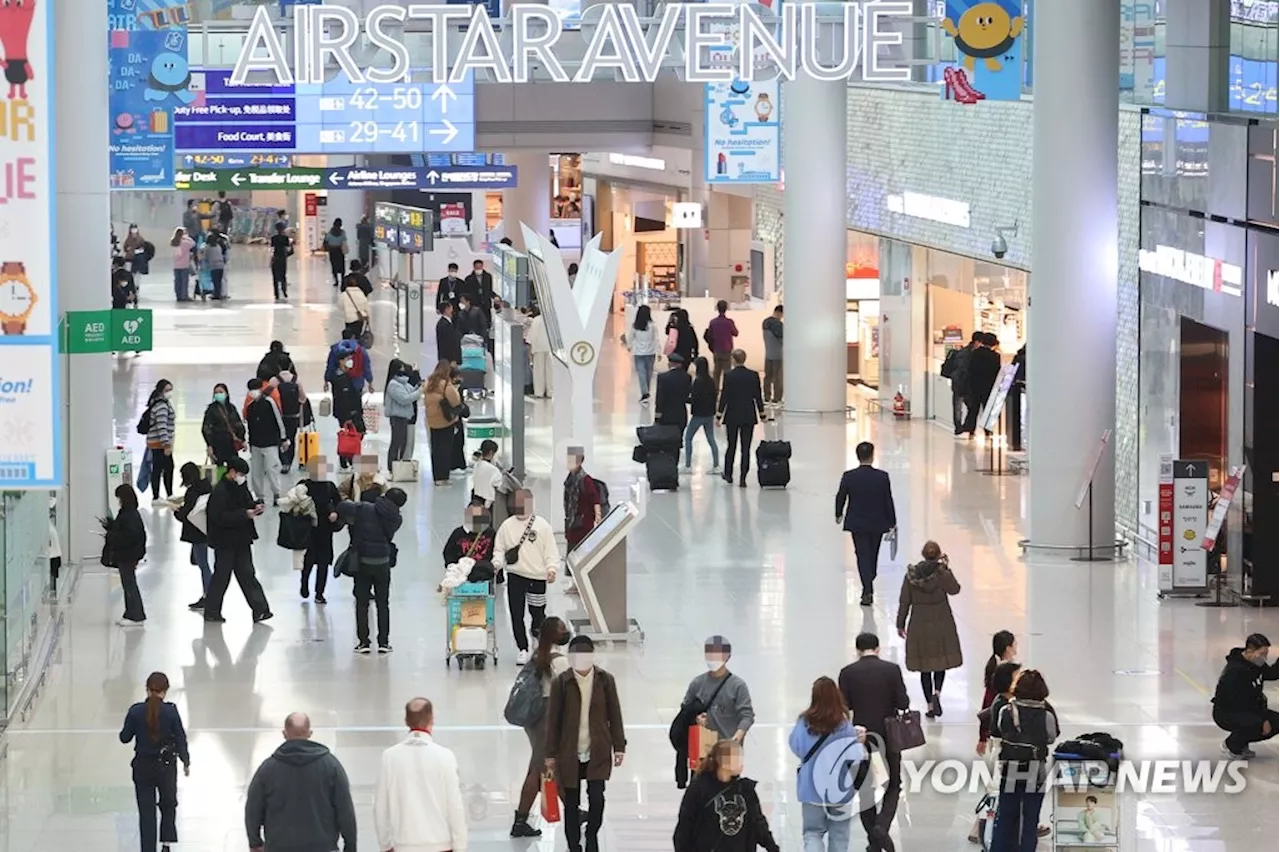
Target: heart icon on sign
[{"x": 131, "y": 326}]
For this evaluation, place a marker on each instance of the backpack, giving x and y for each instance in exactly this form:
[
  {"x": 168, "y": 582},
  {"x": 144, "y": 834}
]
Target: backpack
[
  {"x": 949, "y": 365},
  {"x": 525, "y": 704},
  {"x": 603, "y": 491},
  {"x": 144, "y": 422},
  {"x": 225, "y": 213}
]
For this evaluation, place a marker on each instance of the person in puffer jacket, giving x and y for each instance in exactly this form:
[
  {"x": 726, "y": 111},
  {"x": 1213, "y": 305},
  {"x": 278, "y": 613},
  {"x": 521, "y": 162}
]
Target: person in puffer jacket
[
  {"x": 399, "y": 398},
  {"x": 160, "y": 435},
  {"x": 1027, "y": 727},
  {"x": 374, "y": 523}
]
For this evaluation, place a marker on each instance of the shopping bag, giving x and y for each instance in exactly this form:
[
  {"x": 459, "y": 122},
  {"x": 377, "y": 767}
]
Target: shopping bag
[
  {"x": 404, "y": 470},
  {"x": 903, "y": 731},
  {"x": 349, "y": 441},
  {"x": 144, "y": 472},
  {"x": 294, "y": 532},
  {"x": 372, "y": 413},
  {"x": 701, "y": 740},
  {"x": 550, "y": 798},
  {"x": 308, "y": 445}
]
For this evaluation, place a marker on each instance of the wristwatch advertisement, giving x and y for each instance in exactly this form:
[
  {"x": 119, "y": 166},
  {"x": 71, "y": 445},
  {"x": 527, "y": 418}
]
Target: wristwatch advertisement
[{"x": 17, "y": 298}]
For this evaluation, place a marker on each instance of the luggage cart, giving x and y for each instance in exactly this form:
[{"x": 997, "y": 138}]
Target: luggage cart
[
  {"x": 457, "y": 634},
  {"x": 474, "y": 366}
]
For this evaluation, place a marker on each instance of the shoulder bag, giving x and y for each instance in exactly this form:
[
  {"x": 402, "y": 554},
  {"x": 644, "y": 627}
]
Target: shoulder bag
[
  {"x": 903, "y": 731},
  {"x": 814, "y": 749},
  {"x": 236, "y": 444},
  {"x": 512, "y": 554}
]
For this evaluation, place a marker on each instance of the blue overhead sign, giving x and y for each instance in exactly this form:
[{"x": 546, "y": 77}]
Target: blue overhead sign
[
  {"x": 235, "y": 161},
  {"x": 452, "y": 178},
  {"x": 336, "y": 117}
]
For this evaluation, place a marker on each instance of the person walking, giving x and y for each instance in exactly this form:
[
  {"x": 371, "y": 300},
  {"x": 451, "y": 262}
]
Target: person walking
[
  {"x": 374, "y": 524},
  {"x": 681, "y": 339},
  {"x": 955, "y": 367},
  {"x": 355, "y": 307},
  {"x": 641, "y": 340},
  {"x": 292, "y": 399},
  {"x": 349, "y": 358},
  {"x": 335, "y": 245},
  {"x": 741, "y": 406},
  {"x": 539, "y": 354},
  {"x": 874, "y": 691},
  {"x": 702, "y": 414},
  {"x": 154, "y": 726},
  {"x": 417, "y": 804},
  {"x": 927, "y": 624},
  {"x": 771, "y": 331},
  {"x": 126, "y": 544},
  {"x": 281, "y": 251},
  {"x": 399, "y": 397},
  {"x": 213, "y": 256},
  {"x": 450, "y": 287},
  {"x": 442, "y": 404},
  {"x": 1239, "y": 705},
  {"x": 319, "y": 553},
  {"x": 999, "y": 688},
  {"x": 719, "y": 338},
  {"x": 232, "y": 532},
  {"x": 267, "y": 440},
  {"x": 1004, "y": 649},
  {"x": 276, "y": 360},
  {"x": 181, "y": 246},
  {"x": 197, "y": 487},
  {"x": 824, "y": 803},
  {"x": 984, "y": 368},
  {"x": 583, "y": 502},
  {"x": 1028, "y": 727},
  {"x": 585, "y": 740},
  {"x": 864, "y": 505},
  {"x": 549, "y": 662},
  {"x": 720, "y": 810},
  {"x": 299, "y": 797},
  {"x": 673, "y": 388},
  {"x": 222, "y": 428},
  {"x": 162, "y": 428},
  {"x": 723, "y": 694},
  {"x": 364, "y": 241},
  {"x": 525, "y": 546}
]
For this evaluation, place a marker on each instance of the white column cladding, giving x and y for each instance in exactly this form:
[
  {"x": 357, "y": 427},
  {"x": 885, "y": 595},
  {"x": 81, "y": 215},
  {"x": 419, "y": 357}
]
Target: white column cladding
[
  {"x": 814, "y": 158},
  {"x": 1071, "y": 335},
  {"x": 83, "y": 208},
  {"x": 529, "y": 202}
]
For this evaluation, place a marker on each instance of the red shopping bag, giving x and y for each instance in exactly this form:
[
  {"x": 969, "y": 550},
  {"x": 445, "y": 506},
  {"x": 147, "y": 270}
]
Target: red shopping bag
[
  {"x": 550, "y": 798},
  {"x": 349, "y": 441},
  {"x": 701, "y": 739}
]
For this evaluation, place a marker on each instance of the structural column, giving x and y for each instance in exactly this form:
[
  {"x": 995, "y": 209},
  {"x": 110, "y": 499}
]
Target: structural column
[
  {"x": 1071, "y": 337},
  {"x": 83, "y": 208},
  {"x": 530, "y": 201},
  {"x": 814, "y": 158},
  {"x": 1197, "y": 54}
]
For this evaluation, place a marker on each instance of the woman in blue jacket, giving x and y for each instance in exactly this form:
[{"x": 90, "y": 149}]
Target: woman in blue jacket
[
  {"x": 828, "y": 746},
  {"x": 159, "y": 742}
]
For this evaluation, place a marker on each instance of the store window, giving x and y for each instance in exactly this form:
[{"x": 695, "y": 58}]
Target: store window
[{"x": 862, "y": 309}]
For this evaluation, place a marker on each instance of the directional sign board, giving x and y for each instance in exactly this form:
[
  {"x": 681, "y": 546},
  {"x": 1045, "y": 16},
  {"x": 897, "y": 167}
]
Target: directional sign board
[
  {"x": 455, "y": 178},
  {"x": 337, "y": 117},
  {"x": 247, "y": 179},
  {"x": 233, "y": 161}
]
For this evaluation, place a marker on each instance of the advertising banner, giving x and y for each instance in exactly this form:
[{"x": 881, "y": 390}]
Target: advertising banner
[
  {"x": 1190, "y": 511},
  {"x": 988, "y": 36},
  {"x": 743, "y": 132},
  {"x": 147, "y": 78},
  {"x": 30, "y": 401},
  {"x": 1165, "y": 520}
]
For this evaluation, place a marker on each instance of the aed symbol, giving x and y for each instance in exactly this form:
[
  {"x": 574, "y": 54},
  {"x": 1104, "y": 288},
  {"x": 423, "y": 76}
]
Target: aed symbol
[
  {"x": 17, "y": 121},
  {"x": 95, "y": 328},
  {"x": 131, "y": 338}
]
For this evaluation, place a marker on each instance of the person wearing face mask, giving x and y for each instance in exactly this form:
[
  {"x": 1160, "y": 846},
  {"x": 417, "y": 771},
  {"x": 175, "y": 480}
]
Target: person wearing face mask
[
  {"x": 162, "y": 427},
  {"x": 1239, "y": 705},
  {"x": 399, "y": 397},
  {"x": 291, "y": 398},
  {"x": 222, "y": 429},
  {"x": 126, "y": 542},
  {"x": 450, "y": 289},
  {"x": 268, "y": 438},
  {"x": 193, "y": 532},
  {"x": 473, "y": 540},
  {"x": 374, "y": 521},
  {"x": 549, "y": 662},
  {"x": 232, "y": 532},
  {"x": 526, "y": 547},
  {"x": 319, "y": 553},
  {"x": 721, "y": 810},
  {"x": 722, "y": 697},
  {"x": 585, "y": 739},
  {"x": 347, "y": 357},
  {"x": 134, "y": 249}
]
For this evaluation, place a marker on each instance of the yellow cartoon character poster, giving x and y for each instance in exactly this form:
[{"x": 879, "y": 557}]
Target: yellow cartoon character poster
[{"x": 988, "y": 36}]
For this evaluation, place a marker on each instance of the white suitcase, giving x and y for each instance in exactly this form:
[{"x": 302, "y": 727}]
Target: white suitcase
[
  {"x": 471, "y": 640},
  {"x": 404, "y": 470}
]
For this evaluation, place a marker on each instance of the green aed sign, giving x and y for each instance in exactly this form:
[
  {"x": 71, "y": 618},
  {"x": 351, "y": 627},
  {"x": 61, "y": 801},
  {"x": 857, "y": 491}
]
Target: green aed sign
[{"x": 87, "y": 332}]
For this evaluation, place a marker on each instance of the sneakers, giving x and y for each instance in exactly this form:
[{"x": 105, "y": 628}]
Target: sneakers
[
  {"x": 363, "y": 648},
  {"x": 320, "y": 599},
  {"x": 197, "y": 605},
  {"x": 522, "y": 658},
  {"x": 129, "y": 622},
  {"x": 384, "y": 648},
  {"x": 263, "y": 616},
  {"x": 1244, "y": 754},
  {"x": 715, "y": 470}
]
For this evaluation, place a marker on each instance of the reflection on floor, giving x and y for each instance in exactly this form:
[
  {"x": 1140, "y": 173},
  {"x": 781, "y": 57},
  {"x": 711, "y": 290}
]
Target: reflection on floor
[{"x": 770, "y": 570}]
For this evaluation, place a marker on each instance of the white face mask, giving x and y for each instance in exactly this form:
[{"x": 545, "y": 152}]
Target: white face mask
[
  {"x": 349, "y": 363},
  {"x": 714, "y": 664},
  {"x": 254, "y": 394},
  {"x": 167, "y": 394},
  {"x": 581, "y": 662}
]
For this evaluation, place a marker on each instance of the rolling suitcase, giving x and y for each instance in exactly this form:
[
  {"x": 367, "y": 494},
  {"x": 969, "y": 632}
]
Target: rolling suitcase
[
  {"x": 658, "y": 437},
  {"x": 773, "y": 461},
  {"x": 663, "y": 471}
]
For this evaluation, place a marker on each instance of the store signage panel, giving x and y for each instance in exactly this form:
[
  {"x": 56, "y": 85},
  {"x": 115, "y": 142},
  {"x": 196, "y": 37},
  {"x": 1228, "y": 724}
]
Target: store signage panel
[
  {"x": 743, "y": 138},
  {"x": 1190, "y": 512},
  {"x": 920, "y": 206},
  {"x": 30, "y": 395},
  {"x": 1164, "y": 521},
  {"x": 147, "y": 80},
  {"x": 1190, "y": 268}
]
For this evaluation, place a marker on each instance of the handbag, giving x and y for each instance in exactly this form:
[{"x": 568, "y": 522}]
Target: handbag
[
  {"x": 550, "y": 798},
  {"x": 512, "y": 554},
  {"x": 294, "y": 532},
  {"x": 326, "y": 406},
  {"x": 236, "y": 443},
  {"x": 371, "y": 414},
  {"x": 673, "y": 339},
  {"x": 346, "y": 563},
  {"x": 349, "y": 441},
  {"x": 144, "y": 471},
  {"x": 903, "y": 731}
]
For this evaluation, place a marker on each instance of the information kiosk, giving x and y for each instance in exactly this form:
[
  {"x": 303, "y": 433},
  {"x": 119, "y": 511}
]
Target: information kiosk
[{"x": 599, "y": 566}]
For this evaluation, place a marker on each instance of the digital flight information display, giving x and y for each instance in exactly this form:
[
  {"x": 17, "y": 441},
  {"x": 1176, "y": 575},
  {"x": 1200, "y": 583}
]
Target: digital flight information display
[{"x": 337, "y": 117}]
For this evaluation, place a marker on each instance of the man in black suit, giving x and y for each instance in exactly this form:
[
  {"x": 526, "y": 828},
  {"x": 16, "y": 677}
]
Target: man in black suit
[
  {"x": 671, "y": 396},
  {"x": 448, "y": 338},
  {"x": 864, "y": 503},
  {"x": 874, "y": 691},
  {"x": 479, "y": 286},
  {"x": 450, "y": 289},
  {"x": 741, "y": 406},
  {"x": 984, "y": 369}
]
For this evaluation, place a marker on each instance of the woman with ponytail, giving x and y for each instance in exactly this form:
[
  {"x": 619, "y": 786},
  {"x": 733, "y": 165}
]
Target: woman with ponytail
[
  {"x": 159, "y": 743},
  {"x": 1004, "y": 649}
]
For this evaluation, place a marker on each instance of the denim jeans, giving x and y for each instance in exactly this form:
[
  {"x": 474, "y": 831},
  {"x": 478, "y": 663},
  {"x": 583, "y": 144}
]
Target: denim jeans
[
  {"x": 181, "y": 280},
  {"x": 1017, "y": 817},
  {"x": 829, "y": 820},
  {"x": 200, "y": 556},
  {"x": 644, "y": 372},
  {"x": 708, "y": 427}
]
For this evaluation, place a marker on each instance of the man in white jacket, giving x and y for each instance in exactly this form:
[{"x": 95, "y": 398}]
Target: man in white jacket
[
  {"x": 525, "y": 545},
  {"x": 418, "y": 803}
]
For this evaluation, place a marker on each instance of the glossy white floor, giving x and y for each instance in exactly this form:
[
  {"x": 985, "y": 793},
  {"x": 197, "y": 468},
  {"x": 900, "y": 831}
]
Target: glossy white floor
[{"x": 769, "y": 570}]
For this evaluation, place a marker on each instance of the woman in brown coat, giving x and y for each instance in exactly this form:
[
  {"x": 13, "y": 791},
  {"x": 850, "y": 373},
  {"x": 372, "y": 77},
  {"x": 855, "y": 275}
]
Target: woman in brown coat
[
  {"x": 583, "y": 750},
  {"x": 442, "y": 404},
  {"x": 926, "y": 622}
]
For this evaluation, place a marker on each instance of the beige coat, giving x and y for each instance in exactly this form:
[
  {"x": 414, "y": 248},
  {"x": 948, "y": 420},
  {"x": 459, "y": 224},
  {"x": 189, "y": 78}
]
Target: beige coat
[{"x": 435, "y": 413}]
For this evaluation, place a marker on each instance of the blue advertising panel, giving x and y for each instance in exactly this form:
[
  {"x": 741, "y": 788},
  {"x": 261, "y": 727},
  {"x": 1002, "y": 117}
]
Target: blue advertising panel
[
  {"x": 148, "y": 79},
  {"x": 988, "y": 36},
  {"x": 743, "y": 134},
  {"x": 336, "y": 117},
  {"x": 445, "y": 178}
]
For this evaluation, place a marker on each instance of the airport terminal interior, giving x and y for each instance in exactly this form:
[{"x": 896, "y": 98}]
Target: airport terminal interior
[{"x": 1167, "y": 350}]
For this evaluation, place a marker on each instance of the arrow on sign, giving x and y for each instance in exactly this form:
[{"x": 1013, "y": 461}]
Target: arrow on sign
[
  {"x": 189, "y": 159},
  {"x": 442, "y": 94},
  {"x": 237, "y": 179},
  {"x": 1191, "y": 470},
  {"x": 448, "y": 132},
  {"x": 335, "y": 178},
  {"x": 433, "y": 175}
]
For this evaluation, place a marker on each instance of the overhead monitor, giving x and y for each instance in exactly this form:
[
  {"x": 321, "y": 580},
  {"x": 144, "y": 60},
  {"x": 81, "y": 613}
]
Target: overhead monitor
[
  {"x": 542, "y": 287},
  {"x": 604, "y": 535}
]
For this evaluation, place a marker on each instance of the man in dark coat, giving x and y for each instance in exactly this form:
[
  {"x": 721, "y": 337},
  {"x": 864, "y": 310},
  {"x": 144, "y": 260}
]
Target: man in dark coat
[
  {"x": 374, "y": 521},
  {"x": 671, "y": 395},
  {"x": 232, "y": 532},
  {"x": 984, "y": 369},
  {"x": 864, "y": 504},
  {"x": 741, "y": 406},
  {"x": 448, "y": 336}
]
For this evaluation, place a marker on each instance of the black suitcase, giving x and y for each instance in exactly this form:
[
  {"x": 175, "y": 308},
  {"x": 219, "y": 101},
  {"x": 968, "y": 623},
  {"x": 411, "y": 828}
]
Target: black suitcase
[
  {"x": 773, "y": 473},
  {"x": 659, "y": 437},
  {"x": 773, "y": 450},
  {"x": 663, "y": 470}
]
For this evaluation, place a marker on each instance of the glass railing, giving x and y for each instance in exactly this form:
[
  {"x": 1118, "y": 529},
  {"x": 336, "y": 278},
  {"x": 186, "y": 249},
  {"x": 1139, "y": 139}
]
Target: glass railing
[{"x": 24, "y": 585}]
